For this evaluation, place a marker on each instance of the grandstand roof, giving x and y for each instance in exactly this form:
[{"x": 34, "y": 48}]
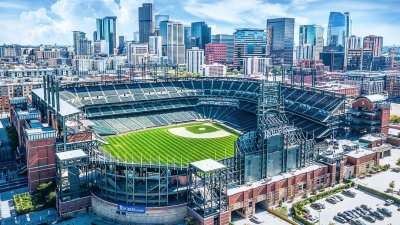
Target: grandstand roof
[{"x": 66, "y": 109}]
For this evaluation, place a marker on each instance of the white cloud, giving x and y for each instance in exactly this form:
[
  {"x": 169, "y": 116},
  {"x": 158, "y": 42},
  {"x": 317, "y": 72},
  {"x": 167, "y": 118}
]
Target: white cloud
[{"x": 64, "y": 16}]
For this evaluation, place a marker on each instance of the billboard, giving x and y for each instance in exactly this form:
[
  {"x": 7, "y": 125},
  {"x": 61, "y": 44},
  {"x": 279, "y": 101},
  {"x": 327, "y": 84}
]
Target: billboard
[{"x": 131, "y": 209}]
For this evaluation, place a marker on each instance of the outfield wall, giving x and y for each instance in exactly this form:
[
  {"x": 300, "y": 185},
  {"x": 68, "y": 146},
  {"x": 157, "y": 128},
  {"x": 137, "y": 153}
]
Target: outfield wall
[{"x": 146, "y": 215}]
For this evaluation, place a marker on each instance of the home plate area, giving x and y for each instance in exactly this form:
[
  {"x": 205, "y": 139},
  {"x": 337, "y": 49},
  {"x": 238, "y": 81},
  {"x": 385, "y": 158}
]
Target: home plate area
[{"x": 205, "y": 130}]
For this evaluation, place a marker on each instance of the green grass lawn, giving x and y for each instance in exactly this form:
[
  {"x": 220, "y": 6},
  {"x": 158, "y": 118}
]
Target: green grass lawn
[
  {"x": 201, "y": 129},
  {"x": 148, "y": 146}
]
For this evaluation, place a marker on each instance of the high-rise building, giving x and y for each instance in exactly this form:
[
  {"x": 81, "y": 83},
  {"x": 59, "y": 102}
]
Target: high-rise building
[
  {"x": 215, "y": 53},
  {"x": 155, "y": 46},
  {"x": 339, "y": 27},
  {"x": 311, "y": 41},
  {"x": 140, "y": 52},
  {"x": 280, "y": 40},
  {"x": 354, "y": 42},
  {"x": 107, "y": 30},
  {"x": 136, "y": 36},
  {"x": 121, "y": 44},
  {"x": 146, "y": 22},
  {"x": 194, "y": 60},
  {"x": 228, "y": 40},
  {"x": 248, "y": 43},
  {"x": 202, "y": 34},
  {"x": 173, "y": 46},
  {"x": 82, "y": 46},
  {"x": 188, "y": 36},
  {"x": 100, "y": 47},
  {"x": 158, "y": 19},
  {"x": 375, "y": 43},
  {"x": 256, "y": 65}
]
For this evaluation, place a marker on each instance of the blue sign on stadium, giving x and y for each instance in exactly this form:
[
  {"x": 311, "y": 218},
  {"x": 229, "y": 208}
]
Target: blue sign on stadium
[{"x": 132, "y": 209}]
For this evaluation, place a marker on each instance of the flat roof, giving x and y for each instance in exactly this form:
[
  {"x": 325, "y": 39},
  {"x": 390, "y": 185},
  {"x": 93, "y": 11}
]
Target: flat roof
[
  {"x": 241, "y": 188},
  {"x": 73, "y": 154},
  {"x": 39, "y": 130},
  {"x": 370, "y": 138},
  {"x": 66, "y": 109},
  {"x": 359, "y": 153},
  {"x": 208, "y": 165}
]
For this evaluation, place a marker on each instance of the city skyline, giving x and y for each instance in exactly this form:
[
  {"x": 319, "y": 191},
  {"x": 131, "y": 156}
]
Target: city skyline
[{"x": 50, "y": 21}]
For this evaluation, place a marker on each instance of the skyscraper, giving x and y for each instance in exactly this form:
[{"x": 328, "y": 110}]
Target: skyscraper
[
  {"x": 374, "y": 43},
  {"x": 158, "y": 19},
  {"x": 146, "y": 22},
  {"x": 155, "y": 46},
  {"x": 188, "y": 35},
  {"x": 121, "y": 44},
  {"x": 339, "y": 27},
  {"x": 202, "y": 34},
  {"x": 173, "y": 46},
  {"x": 82, "y": 46},
  {"x": 248, "y": 43},
  {"x": 228, "y": 40},
  {"x": 310, "y": 36},
  {"x": 107, "y": 30},
  {"x": 280, "y": 40}
]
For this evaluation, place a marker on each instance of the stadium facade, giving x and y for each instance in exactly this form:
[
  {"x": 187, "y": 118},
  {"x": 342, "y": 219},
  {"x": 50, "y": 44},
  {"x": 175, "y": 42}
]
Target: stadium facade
[{"x": 275, "y": 155}]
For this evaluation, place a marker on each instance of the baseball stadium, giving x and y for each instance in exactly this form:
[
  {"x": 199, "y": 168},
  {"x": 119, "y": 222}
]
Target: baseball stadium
[{"x": 157, "y": 151}]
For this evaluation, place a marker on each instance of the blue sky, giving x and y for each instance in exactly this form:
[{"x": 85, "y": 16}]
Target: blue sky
[{"x": 51, "y": 21}]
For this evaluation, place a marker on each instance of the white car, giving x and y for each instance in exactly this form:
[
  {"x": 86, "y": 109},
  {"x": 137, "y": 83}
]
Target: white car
[
  {"x": 389, "y": 202},
  {"x": 256, "y": 219}
]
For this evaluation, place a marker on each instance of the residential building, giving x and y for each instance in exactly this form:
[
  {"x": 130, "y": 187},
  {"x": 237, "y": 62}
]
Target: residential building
[
  {"x": 359, "y": 59},
  {"x": 339, "y": 28},
  {"x": 140, "y": 52},
  {"x": 155, "y": 46},
  {"x": 215, "y": 53},
  {"x": 256, "y": 66},
  {"x": 248, "y": 43},
  {"x": 280, "y": 40},
  {"x": 228, "y": 40},
  {"x": 146, "y": 22},
  {"x": 10, "y": 51},
  {"x": 370, "y": 83},
  {"x": 374, "y": 43},
  {"x": 393, "y": 84},
  {"x": 82, "y": 46},
  {"x": 311, "y": 41},
  {"x": 194, "y": 60},
  {"x": 107, "y": 30},
  {"x": 173, "y": 46},
  {"x": 201, "y": 34},
  {"x": 214, "y": 70},
  {"x": 354, "y": 42}
]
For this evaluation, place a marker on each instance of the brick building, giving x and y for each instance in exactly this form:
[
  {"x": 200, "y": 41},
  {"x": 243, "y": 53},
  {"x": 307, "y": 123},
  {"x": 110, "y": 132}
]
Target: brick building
[
  {"x": 369, "y": 114},
  {"x": 215, "y": 53}
]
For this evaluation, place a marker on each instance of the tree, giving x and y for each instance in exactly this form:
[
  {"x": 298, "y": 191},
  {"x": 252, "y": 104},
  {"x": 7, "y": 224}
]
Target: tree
[
  {"x": 392, "y": 185},
  {"x": 398, "y": 162}
]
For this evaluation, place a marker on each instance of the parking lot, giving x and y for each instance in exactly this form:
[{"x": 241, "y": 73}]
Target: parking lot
[
  {"x": 268, "y": 218},
  {"x": 326, "y": 215}
]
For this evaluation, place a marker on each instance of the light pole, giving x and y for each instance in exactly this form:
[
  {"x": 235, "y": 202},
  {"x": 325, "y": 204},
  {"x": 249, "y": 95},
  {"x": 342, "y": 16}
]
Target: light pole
[{"x": 319, "y": 217}]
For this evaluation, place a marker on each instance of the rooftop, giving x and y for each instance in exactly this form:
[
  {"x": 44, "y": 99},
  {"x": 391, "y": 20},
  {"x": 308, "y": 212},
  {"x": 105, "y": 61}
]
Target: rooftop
[
  {"x": 375, "y": 98},
  {"x": 66, "y": 109},
  {"x": 73, "y": 154},
  {"x": 359, "y": 153},
  {"x": 208, "y": 165},
  {"x": 370, "y": 138}
]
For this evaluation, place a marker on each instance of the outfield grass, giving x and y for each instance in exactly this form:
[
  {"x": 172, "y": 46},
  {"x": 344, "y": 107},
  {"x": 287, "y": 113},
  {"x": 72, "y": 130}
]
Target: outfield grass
[
  {"x": 152, "y": 145},
  {"x": 201, "y": 129}
]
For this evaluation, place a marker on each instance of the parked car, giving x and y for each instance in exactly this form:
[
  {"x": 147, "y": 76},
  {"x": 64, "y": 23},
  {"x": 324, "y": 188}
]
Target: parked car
[
  {"x": 349, "y": 193},
  {"x": 369, "y": 218},
  {"x": 357, "y": 222},
  {"x": 340, "y": 219},
  {"x": 369, "y": 209},
  {"x": 385, "y": 211},
  {"x": 389, "y": 202},
  {"x": 313, "y": 220},
  {"x": 318, "y": 206},
  {"x": 256, "y": 219},
  {"x": 355, "y": 213},
  {"x": 378, "y": 215},
  {"x": 340, "y": 198},
  {"x": 349, "y": 214},
  {"x": 332, "y": 200}
]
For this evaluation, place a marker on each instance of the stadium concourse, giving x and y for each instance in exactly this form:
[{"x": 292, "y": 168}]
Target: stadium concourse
[{"x": 117, "y": 152}]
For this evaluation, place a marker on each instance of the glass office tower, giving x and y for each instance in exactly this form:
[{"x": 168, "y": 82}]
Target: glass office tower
[
  {"x": 338, "y": 28},
  {"x": 107, "y": 30},
  {"x": 311, "y": 35},
  {"x": 248, "y": 43},
  {"x": 173, "y": 45},
  {"x": 146, "y": 22},
  {"x": 201, "y": 33},
  {"x": 158, "y": 19},
  {"x": 280, "y": 40}
]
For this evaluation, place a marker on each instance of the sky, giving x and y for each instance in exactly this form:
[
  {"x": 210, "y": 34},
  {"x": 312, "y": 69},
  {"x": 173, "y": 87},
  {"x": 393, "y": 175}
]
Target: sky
[{"x": 33, "y": 22}]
